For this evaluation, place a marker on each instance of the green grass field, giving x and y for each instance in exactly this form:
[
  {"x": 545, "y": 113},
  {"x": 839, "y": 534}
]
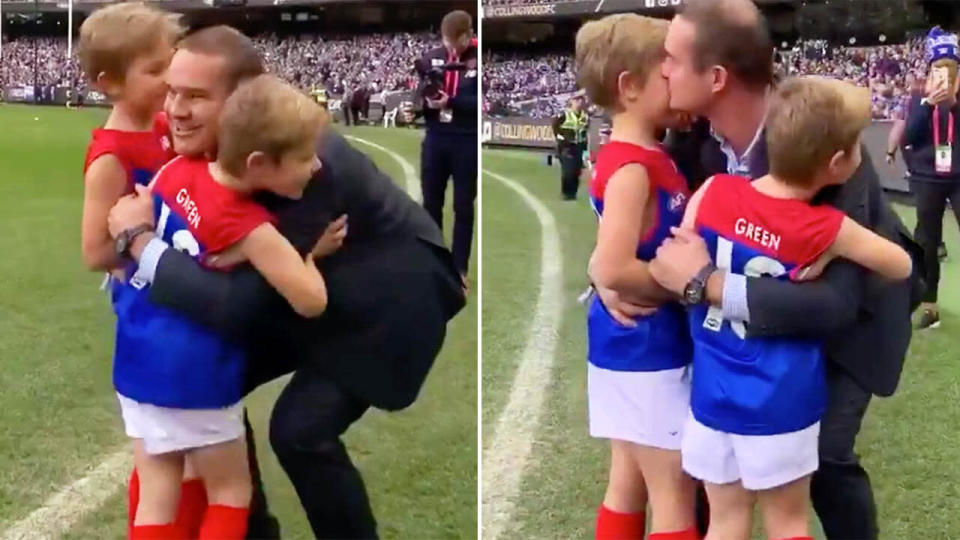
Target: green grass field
[
  {"x": 908, "y": 442},
  {"x": 58, "y": 413}
]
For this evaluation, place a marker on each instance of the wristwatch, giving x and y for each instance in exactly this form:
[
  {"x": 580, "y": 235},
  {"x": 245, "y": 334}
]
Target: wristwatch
[
  {"x": 125, "y": 239},
  {"x": 695, "y": 291}
]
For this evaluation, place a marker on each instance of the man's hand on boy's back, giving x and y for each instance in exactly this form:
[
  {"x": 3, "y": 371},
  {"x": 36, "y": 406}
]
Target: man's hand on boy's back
[
  {"x": 131, "y": 210},
  {"x": 678, "y": 260}
]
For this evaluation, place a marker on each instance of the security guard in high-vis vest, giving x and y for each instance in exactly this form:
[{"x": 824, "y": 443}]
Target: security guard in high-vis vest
[
  {"x": 570, "y": 129},
  {"x": 320, "y": 94}
]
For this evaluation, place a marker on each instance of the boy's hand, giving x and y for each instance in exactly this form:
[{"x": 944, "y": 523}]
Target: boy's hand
[
  {"x": 131, "y": 210},
  {"x": 622, "y": 311},
  {"x": 332, "y": 238}
]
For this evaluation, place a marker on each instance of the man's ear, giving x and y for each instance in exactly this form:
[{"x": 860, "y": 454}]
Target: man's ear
[{"x": 719, "y": 78}]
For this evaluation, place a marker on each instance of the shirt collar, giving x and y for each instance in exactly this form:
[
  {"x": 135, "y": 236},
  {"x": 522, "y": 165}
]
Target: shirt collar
[{"x": 739, "y": 165}]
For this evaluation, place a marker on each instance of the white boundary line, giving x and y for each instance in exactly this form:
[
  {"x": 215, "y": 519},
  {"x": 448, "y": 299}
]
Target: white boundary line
[
  {"x": 507, "y": 451},
  {"x": 66, "y": 508},
  {"x": 409, "y": 172}
]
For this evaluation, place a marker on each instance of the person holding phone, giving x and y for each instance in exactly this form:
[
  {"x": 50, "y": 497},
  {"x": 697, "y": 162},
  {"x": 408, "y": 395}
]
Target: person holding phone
[{"x": 931, "y": 133}]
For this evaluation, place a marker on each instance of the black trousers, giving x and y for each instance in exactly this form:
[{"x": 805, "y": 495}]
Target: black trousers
[
  {"x": 931, "y": 200},
  {"x": 571, "y": 163},
  {"x": 442, "y": 156},
  {"x": 366, "y": 349},
  {"x": 840, "y": 488},
  {"x": 841, "y": 491}
]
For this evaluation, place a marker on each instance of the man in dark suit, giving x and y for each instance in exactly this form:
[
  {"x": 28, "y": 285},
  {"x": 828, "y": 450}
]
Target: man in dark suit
[
  {"x": 366, "y": 350},
  {"x": 719, "y": 67}
]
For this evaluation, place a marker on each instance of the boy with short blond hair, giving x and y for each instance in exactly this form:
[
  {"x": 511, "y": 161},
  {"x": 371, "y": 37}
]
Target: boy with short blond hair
[
  {"x": 183, "y": 398},
  {"x": 638, "y": 386},
  {"x": 757, "y": 402},
  {"x": 124, "y": 50}
]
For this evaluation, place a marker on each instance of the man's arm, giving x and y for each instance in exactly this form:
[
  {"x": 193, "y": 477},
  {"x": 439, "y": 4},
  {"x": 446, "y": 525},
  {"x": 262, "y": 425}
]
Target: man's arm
[
  {"x": 226, "y": 302},
  {"x": 818, "y": 308}
]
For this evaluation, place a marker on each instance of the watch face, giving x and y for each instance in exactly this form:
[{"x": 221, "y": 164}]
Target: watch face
[{"x": 693, "y": 293}]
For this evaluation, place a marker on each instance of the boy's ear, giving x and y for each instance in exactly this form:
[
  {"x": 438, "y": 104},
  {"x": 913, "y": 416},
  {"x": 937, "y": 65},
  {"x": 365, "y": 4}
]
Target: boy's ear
[
  {"x": 836, "y": 162},
  {"x": 105, "y": 84},
  {"x": 257, "y": 159}
]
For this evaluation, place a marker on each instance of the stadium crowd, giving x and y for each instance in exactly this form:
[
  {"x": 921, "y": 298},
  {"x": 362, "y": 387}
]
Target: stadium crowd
[
  {"x": 537, "y": 85},
  {"x": 380, "y": 62}
]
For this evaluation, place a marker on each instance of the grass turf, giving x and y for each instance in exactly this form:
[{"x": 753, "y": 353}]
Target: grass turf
[
  {"x": 907, "y": 443},
  {"x": 59, "y": 415}
]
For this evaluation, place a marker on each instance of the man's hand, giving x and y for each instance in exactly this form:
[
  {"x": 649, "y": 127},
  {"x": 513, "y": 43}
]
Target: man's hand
[
  {"x": 622, "y": 311},
  {"x": 679, "y": 259},
  {"x": 332, "y": 238},
  {"x": 940, "y": 93},
  {"x": 816, "y": 268},
  {"x": 439, "y": 103},
  {"x": 131, "y": 210}
]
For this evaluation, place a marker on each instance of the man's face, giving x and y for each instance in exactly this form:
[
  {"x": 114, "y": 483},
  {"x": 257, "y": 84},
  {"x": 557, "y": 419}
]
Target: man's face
[
  {"x": 456, "y": 45},
  {"x": 197, "y": 91},
  {"x": 576, "y": 105},
  {"x": 690, "y": 91}
]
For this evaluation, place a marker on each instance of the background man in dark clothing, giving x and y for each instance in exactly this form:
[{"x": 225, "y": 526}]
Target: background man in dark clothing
[
  {"x": 450, "y": 145},
  {"x": 366, "y": 350},
  {"x": 570, "y": 130},
  {"x": 719, "y": 67},
  {"x": 931, "y": 129}
]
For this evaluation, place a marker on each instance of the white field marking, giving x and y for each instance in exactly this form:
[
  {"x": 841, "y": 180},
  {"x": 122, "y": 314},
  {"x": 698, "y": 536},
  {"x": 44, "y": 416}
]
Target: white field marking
[
  {"x": 506, "y": 453},
  {"x": 66, "y": 508},
  {"x": 409, "y": 172}
]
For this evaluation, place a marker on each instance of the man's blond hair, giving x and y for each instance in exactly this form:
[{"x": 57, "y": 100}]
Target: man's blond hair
[
  {"x": 615, "y": 44},
  {"x": 114, "y": 36},
  {"x": 265, "y": 114},
  {"x": 811, "y": 119}
]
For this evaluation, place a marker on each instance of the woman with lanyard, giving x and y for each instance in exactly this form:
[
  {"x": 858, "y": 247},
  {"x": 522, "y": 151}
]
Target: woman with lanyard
[{"x": 935, "y": 175}]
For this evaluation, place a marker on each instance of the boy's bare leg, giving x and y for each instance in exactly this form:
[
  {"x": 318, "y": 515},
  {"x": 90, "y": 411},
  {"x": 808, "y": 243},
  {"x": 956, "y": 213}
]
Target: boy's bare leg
[
  {"x": 671, "y": 491},
  {"x": 731, "y": 511},
  {"x": 626, "y": 491},
  {"x": 160, "y": 478},
  {"x": 225, "y": 473},
  {"x": 784, "y": 509}
]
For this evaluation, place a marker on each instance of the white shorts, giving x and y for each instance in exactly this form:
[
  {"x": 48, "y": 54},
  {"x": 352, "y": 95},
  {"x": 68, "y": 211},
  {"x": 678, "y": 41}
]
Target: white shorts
[
  {"x": 643, "y": 407},
  {"x": 758, "y": 461},
  {"x": 164, "y": 429}
]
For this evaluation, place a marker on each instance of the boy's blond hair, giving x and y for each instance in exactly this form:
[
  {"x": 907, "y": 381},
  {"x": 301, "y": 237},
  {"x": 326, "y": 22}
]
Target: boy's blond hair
[
  {"x": 265, "y": 114},
  {"x": 810, "y": 119},
  {"x": 615, "y": 44},
  {"x": 113, "y": 36}
]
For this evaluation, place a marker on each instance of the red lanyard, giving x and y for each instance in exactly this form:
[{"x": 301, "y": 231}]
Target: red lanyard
[
  {"x": 452, "y": 78},
  {"x": 936, "y": 127}
]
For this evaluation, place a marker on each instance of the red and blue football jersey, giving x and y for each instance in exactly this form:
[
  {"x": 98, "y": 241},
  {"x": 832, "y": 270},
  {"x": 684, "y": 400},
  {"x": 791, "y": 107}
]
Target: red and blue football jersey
[
  {"x": 660, "y": 341},
  {"x": 757, "y": 385},
  {"x": 141, "y": 153},
  {"x": 162, "y": 357}
]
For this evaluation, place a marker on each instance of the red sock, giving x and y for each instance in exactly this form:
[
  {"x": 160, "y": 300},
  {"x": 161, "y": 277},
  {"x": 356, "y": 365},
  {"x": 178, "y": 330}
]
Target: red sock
[
  {"x": 613, "y": 525},
  {"x": 133, "y": 499},
  {"x": 169, "y": 531},
  {"x": 193, "y": 504},
  {"x": 224, "y": 523},
  {"x": 688, "y": 534}
]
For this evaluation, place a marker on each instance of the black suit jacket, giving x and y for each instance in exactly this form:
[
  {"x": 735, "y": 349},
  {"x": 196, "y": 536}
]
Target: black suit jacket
[
  {"x": 865, "y": 322},
  {"x": 392, "y": 287}
]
